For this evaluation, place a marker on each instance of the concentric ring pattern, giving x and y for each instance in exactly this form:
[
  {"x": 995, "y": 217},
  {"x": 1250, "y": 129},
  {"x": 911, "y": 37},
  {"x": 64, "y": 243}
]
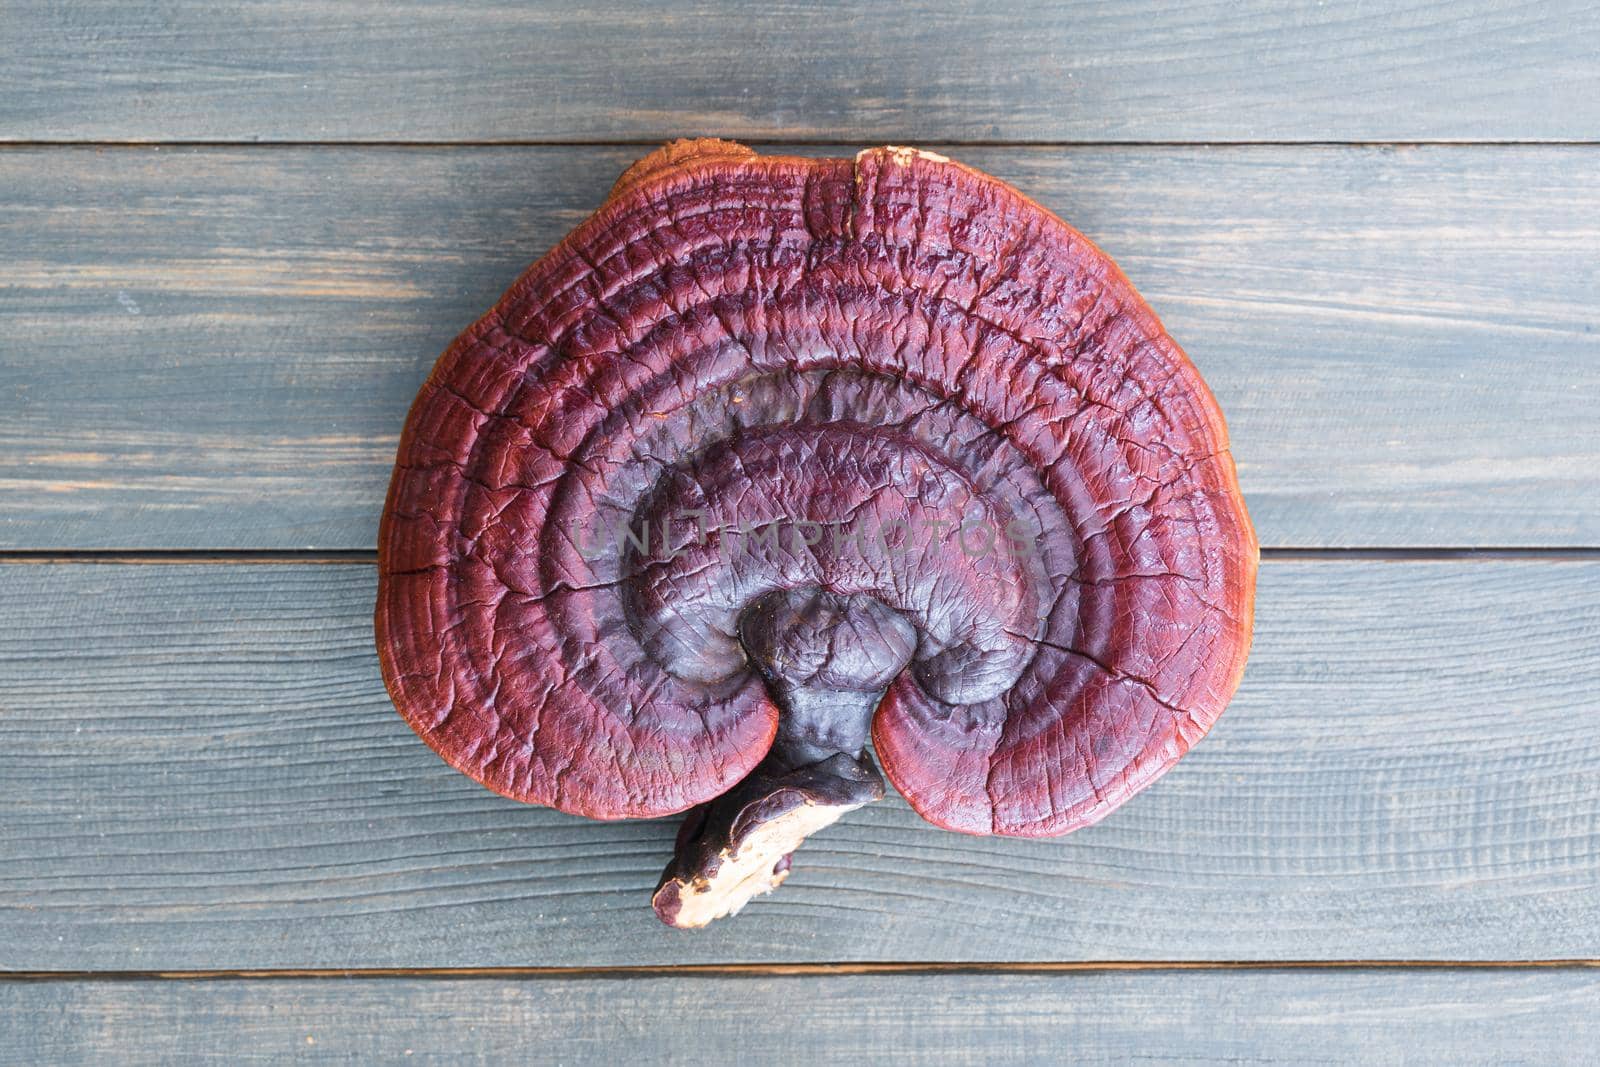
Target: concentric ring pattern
[{"x": 882, "y": 353}]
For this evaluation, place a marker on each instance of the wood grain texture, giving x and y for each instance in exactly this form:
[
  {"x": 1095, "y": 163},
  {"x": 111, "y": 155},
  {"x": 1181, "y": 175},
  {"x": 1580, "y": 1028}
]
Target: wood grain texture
[
  {"x": 216, "y": 348},
  {"x": 1490, "y": 1017},
  {"x": 202, "y": 771},
  {"x": 1164, "y": 70}
]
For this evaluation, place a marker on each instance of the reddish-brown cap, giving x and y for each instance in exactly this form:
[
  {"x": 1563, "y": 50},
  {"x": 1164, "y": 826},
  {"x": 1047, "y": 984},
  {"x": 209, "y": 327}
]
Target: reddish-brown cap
[{"x": 999, "y": 441}]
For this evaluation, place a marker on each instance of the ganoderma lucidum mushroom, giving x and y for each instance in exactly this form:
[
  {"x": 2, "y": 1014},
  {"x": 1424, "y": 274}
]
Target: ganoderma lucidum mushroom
[{"x": 775, "y": 456}]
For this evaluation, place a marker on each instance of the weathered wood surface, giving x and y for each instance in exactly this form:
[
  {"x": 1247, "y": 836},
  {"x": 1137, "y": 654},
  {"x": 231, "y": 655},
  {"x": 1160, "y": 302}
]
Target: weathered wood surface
[
  {"x": 914, "y": 69},
  {"x": 216, "y": 348},
  {"x": 201, "y": 770},
  {"x": 1543, "y": 1016}
]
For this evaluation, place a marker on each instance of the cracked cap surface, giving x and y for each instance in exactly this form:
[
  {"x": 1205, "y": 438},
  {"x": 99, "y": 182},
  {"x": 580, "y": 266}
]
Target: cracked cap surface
[{"x": 894, "y": 342}]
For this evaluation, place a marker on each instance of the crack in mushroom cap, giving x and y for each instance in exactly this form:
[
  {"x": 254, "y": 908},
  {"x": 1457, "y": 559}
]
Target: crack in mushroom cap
[{"x": 777, "y": 340}]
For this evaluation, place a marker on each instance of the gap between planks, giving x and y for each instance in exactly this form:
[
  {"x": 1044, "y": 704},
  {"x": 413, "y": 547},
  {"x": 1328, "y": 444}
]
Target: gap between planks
[
  {"x": 792, "y": 142},
  {"x": 369, "y": 557},
  {"x": 789, "y": 970}
]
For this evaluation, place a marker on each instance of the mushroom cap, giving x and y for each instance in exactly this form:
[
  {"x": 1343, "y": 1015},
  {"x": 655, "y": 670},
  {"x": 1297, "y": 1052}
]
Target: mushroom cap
[{"x": 1036, "y": 483}]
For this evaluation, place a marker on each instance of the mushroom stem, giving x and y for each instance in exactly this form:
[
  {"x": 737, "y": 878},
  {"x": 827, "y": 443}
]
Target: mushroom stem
[
  {"x": 827, "y": 660},
  {"x": 739, "y": 845}
]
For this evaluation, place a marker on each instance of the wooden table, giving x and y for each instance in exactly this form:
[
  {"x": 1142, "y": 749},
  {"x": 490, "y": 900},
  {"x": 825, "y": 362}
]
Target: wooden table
[{"x": 233, "y": 238}]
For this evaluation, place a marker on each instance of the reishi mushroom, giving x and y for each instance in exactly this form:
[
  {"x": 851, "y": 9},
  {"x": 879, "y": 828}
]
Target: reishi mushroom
[{"x": 772, "y": 457}]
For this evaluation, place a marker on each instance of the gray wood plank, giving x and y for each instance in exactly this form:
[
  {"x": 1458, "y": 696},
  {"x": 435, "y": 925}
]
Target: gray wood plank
[
  {"x": 1032, "y": 70},
  {"x": 1299, "y": 1016},
  {"x": 216, "y": 348},
  {"x": 201, "y": 770}
]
